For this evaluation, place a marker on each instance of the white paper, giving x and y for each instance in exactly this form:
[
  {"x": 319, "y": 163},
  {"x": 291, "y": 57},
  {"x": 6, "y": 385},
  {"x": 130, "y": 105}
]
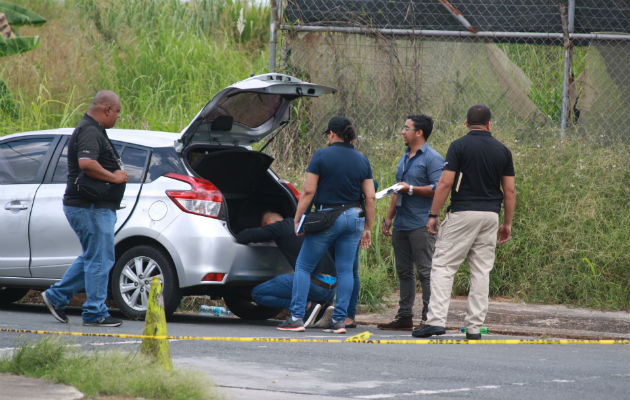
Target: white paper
[
  {"x": 390, "y": 190},
  {"x": 300, "y": 228}
]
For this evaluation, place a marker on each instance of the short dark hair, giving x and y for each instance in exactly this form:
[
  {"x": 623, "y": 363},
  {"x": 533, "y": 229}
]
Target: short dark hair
[
  {"x": 478, "y": 114},
  {"x": 424, "y": 122}
]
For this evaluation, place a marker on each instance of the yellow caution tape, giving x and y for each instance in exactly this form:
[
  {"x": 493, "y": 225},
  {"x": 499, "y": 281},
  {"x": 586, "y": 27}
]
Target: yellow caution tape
[{"x": 360, "y": 338}]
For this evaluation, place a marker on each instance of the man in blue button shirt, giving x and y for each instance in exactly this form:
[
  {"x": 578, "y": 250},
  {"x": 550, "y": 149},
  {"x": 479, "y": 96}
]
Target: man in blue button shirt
[{"x": 418, "y": 173}]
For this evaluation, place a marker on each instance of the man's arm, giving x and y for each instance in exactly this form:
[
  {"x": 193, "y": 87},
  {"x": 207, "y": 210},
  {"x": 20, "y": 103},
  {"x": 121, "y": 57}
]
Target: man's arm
[
  {"x": 509, "y": 202},
  {"x": 93, "y": 169},
  {"x": 442, "y": 191},
  {"x": 264, "y": 233}
]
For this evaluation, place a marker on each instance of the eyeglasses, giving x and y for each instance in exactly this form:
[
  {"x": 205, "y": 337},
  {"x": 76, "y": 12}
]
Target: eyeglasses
[{"x": 407, "y": 128}]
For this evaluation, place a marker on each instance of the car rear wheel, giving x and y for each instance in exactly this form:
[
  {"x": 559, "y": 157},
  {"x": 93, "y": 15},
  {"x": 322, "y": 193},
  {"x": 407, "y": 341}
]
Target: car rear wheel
[
  {"x": 244, "y": 307},
  {"x": 10, "y": 295},
  {"x": 131, "y": 281}
]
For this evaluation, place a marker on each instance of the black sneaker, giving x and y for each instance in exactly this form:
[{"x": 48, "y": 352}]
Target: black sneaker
[
  {"x": 428, "y": 330},
  {"x": 336, "y": 327},
  {"x": 58, "y": 313},
  {"x": 290, "y": 325},
  {"x": 311, "y": 314},
  {"x": 473, "y": 336},
  {"x": 107, "y": 321}
]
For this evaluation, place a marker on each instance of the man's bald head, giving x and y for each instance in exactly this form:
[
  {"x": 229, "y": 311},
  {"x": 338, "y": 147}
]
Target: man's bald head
[
  {"x": 105, "y": 98},
  {"x": 269, "y": 217},
  {"x": 105, "y": 108}
]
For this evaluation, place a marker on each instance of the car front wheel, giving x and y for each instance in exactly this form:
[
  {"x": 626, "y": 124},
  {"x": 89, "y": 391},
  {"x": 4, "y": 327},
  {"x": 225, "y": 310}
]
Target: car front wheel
[{"x": 131, "y": 281}]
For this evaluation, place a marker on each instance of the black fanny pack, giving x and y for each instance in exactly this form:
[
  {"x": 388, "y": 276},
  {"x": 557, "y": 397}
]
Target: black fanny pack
[
  {"x": 96, "y": 190},
  {"x": 321, "y": 220}
]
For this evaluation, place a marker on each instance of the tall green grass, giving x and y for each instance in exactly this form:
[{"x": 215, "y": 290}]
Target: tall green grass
[
  {"x": 110, "y": 374},
  {"x": 571, "y": 232},
  {"x": 164, "y": 58}
]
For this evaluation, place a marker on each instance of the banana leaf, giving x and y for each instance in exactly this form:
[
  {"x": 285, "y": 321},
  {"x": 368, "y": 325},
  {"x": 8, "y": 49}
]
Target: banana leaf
[
  {"x": 17, "y": 15},
  {"x": 17, "y": 45}
]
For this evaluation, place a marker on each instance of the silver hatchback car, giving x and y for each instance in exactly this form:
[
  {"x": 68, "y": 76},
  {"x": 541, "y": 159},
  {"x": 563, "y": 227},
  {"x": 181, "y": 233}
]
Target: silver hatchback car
[{"x": 187, "y": 195}]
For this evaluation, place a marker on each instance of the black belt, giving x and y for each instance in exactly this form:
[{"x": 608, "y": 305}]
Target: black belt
[
  {"x": 344, "y": 206},
  {"x": 323, "y": 284}
]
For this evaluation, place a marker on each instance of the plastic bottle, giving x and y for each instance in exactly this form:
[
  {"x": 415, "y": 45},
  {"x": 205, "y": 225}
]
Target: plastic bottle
[
  {"x": 483, "y": 330},
  {"x": 214, "y": 311}
]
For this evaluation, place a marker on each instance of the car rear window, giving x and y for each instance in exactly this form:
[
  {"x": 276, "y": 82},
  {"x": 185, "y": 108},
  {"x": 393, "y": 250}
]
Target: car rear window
[
  {"x": 240, "y": 108},
  {"x": 163, "y": 161}
]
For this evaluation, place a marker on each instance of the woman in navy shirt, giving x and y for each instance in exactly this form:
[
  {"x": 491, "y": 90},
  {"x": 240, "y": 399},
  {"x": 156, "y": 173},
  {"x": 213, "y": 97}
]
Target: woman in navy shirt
[{"x": 336, "y": 177}]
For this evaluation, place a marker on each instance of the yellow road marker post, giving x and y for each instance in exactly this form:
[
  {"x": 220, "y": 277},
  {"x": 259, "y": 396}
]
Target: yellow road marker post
[{"x": 155, "y": 326}]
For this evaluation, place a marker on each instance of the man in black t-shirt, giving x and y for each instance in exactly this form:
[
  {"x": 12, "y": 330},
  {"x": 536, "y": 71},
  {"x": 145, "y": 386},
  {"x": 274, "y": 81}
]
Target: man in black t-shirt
[
  {"x": 477, "y": 167},
  {"x": 276, "y": 292},
  {"x": 91, "y": 153}
]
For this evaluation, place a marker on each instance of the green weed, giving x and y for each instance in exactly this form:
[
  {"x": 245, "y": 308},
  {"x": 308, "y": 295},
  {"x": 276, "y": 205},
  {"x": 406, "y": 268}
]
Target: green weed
[{"x": 110, "y": 373}]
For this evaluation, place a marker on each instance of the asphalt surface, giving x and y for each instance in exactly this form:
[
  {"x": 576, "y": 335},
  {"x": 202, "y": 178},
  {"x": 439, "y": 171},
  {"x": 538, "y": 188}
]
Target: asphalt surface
[{"x": 535, "y": 321}]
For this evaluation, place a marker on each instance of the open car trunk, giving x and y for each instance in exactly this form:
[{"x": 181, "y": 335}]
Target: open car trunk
[{"x": 244, "y": 179}]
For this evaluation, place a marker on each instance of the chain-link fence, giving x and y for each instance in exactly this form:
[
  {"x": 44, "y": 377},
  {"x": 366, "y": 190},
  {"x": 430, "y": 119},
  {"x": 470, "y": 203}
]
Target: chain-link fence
[{"x": 535, "y": 63}]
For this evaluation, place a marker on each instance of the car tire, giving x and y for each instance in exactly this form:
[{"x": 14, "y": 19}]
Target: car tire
[
  {"x": 10, "y": 295},
  {"x": 131, "y": 281},
  {"x": 244, "y": 307}
]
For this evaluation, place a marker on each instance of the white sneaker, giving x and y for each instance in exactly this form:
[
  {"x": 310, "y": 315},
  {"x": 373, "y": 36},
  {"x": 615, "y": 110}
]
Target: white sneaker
[
  {"x": 312, "y": 314},
  {"x": 324, "y": 321}
]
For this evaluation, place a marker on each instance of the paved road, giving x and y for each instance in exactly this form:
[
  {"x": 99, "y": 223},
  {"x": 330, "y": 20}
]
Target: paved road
[{"x": 272, "y": 370}]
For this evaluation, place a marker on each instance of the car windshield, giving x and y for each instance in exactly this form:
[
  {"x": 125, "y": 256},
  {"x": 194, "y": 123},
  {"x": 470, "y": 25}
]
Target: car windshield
[{"x": 247, "y": 108}]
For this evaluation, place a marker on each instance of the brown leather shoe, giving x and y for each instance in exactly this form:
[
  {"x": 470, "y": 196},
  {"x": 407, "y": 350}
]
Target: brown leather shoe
[{"x": 398, "y": 324}]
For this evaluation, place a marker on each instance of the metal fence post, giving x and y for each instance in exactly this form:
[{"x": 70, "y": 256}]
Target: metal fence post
[
  {"x": 273, "y": 23},
  {"x": 568, "y": 16}
]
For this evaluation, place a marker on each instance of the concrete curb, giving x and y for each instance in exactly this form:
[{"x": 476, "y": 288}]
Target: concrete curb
[{"x": 520, "y": 319}]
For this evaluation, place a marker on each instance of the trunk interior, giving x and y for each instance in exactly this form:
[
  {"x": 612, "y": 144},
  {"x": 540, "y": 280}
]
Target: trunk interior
[{"x": 242, "y": 176}]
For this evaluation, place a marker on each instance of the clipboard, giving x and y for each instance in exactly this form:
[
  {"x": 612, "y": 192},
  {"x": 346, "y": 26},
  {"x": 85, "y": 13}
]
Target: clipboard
[{"x": 388, "y": 191}]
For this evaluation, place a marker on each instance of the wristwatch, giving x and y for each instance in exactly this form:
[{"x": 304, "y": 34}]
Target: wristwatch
[
  {"x": 432, "y": 215},
  {"x": 410, "y": 191}
]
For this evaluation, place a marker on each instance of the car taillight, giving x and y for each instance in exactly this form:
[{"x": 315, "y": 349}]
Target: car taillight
[
  {"x": 293, "y": 189},
  {"x": 213, "y": 277},
  {"x": 202, "y": 199}
]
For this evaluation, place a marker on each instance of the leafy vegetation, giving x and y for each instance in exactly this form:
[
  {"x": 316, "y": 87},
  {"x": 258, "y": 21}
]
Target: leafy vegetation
[
  {"x": 166, "y": 58},
  {"x": 128, "y": 374}
]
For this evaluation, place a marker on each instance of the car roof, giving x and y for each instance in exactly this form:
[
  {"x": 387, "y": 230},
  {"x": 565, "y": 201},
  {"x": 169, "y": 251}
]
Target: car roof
[{"x": 133, "y": 136}]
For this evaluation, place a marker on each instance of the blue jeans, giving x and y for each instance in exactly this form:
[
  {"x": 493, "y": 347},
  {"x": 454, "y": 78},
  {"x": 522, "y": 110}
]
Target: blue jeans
[
  {"x": 344, "y": 235},
  {"x": 276, "y": 292},
  {"x": 90, "y": 271},
  {"x": 354, "y": 298}
]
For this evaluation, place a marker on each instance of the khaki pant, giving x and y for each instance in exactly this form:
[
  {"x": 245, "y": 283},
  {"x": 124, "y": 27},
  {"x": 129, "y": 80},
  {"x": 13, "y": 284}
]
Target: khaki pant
[{"x": 462, "y": 234}]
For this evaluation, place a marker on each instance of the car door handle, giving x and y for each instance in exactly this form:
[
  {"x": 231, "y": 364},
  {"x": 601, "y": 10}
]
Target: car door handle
[{"x": 15, "y": 206}]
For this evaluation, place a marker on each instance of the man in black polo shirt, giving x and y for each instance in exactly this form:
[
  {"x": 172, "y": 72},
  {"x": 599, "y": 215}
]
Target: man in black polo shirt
[
  {"x": 477, "y": 167},
  {"x": 91, "y": 153}
]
